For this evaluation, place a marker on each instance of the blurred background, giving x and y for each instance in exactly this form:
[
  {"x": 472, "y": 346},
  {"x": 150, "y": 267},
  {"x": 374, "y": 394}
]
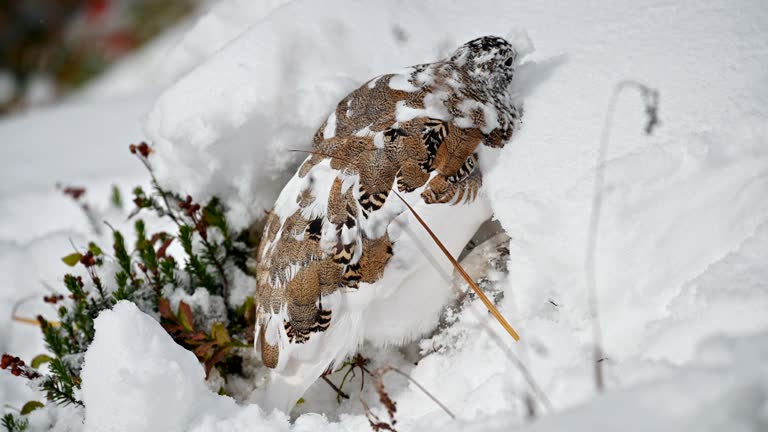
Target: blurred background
[{"x": 51, "y": 47}]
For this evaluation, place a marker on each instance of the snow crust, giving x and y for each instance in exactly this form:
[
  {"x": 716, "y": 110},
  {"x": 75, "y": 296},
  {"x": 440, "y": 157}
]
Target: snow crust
[{"x": 682, "y": 281}]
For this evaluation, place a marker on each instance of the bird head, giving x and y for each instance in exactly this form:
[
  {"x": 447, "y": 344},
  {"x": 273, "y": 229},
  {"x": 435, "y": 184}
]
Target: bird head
[{"x": 490, "y": 59}]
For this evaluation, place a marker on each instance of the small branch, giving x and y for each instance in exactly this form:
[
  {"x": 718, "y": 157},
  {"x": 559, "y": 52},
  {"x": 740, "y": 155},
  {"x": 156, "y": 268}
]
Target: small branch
[
  {"x": 142, "y": 156},
  {"x": 527, "y": 376},
  {"x": 219, "y": 268},
  {"x": 386, "y": 369},
  {"x": 159, "y": 190},
  {"x": 335, "y": 388},
  {"x": 358, "y": 361},
  {"x": 76, "y": 194},
  {"x": 26, "y": 320},
  {"x": 12, "y": 408}
]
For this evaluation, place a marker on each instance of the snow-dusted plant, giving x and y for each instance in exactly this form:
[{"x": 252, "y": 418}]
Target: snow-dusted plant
[{"x": 147, "y": 275}]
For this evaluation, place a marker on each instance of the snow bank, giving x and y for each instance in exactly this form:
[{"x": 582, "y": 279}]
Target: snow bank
[
  {"x": 135, "y": 378},
  {"x": 667, "y": 231},
  {"x": 726, "y": 388}
]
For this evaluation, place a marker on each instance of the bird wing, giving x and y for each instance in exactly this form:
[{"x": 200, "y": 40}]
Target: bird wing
[{"x": 328, "y": 231}]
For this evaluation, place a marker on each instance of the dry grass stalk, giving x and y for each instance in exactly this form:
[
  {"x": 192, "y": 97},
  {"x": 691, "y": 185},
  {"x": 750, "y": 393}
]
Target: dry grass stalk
[
  {"x": 25, "y": 320},
  {"x": 651, "y": 106},
  {"x": 377, "y": 424},
  {"x": 382, "y": 371},
  {"x": 484, "y": 298}
]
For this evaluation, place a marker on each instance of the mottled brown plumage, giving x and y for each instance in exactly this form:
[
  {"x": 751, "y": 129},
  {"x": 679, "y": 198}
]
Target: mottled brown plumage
[{"x": 328, "y": 236}]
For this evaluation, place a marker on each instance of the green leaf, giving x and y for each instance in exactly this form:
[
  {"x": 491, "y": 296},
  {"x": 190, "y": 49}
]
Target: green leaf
[
  {"x": 249, "y": 310},
  {"x": 141, "y": 234},
  {"x": 72, "y": 259},
  {"x": 300, "y": 401},
  {"x": 185, "y": 317},
  {"x": 214, "y": 217},
  {"x": 95, "y": 250},
  {"x": 40, "y": 359},
  {"x": 116, "y": 198},
  {"x": 31, "y": 406},
  {"x": 185, "y": 237},
  {"x": 121, "y": 253},
  {"x": 74, "y": 287},
  {"x": 220, "y": 334}
]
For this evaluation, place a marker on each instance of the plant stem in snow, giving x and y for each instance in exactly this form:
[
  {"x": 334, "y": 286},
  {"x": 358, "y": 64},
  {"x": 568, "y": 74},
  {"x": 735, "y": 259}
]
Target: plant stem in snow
[{"x": 650, "y": 100}]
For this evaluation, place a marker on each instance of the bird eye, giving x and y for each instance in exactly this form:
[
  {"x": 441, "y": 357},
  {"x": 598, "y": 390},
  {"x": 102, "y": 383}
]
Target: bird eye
[{"x": 508, "y": 63}]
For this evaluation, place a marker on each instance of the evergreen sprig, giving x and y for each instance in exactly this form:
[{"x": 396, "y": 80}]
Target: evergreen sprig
[
  {"x": 60, "y": 385},
  {"x": 12, "y": 423},
  {"x": 143, "y": 275}
]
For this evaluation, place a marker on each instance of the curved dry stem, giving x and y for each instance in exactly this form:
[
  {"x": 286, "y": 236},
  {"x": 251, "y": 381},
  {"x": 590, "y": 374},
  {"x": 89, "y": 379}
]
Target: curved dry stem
[
  {"x": 386, "y": 369},
  {"x": 26, "y": 320},
  {"x": 650, "y": 102}
]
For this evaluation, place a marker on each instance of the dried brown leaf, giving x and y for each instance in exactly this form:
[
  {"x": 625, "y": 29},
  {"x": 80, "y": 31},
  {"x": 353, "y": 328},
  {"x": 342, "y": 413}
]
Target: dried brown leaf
[{"x": 164, "y": 307}]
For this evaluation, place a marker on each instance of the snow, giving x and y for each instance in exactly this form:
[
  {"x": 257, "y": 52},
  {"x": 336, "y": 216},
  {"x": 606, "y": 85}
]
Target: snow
[
  {"x": 168, "y": 378},
  {"x": 81, "y": 143},
  {"x": 147, "y": 373},
  {"x": 133, "y": 366},
  {"x": 728, "y": 372},
  {"x": 181, "y": 48},
  {"x": 681, "y": 252}
]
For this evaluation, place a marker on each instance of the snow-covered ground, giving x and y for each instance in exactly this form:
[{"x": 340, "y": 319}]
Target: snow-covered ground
[{"x": 682, "y": 276}]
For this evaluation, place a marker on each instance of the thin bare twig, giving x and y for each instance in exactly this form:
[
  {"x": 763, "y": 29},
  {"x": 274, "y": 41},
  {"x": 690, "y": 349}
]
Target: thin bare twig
[
  {"x": 386, "y": 369},
  {"x": 76, "y": 194},
  {"x": 527, "y": 375},
  {"x": 338, "y": 391},
  {"x": 650, "y": 101},
  {"x": 26, "y": 320},
  {"x": 159, "y": 190},
  {"x": 358, "y": 361}
]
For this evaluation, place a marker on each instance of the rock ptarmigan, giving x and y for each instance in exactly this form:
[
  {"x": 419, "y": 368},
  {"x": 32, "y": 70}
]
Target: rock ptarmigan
[{"x": 341, "y": 261}]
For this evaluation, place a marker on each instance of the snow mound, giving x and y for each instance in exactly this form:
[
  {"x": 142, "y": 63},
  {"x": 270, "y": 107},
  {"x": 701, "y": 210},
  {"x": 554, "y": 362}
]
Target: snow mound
[{"x": 136, "y": 378}]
